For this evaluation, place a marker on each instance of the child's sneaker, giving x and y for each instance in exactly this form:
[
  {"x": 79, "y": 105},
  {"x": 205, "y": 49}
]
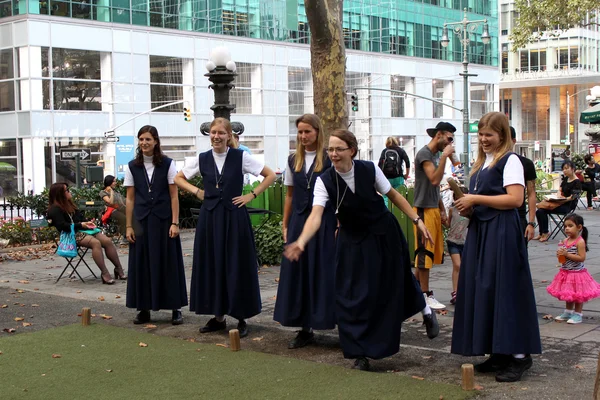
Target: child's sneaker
[
  {"x": 565, "y": 316},
  {"x": 575, "y": 319}
]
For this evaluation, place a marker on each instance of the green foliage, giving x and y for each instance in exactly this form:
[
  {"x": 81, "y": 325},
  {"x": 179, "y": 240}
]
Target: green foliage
[
  {"x": 538, "y": 18},
  {"x": 18, "y": 232},
  {"x": 577, "y": 159},
  {"x": 269, "y": 241},
  {"x": 543, "y": 181}
]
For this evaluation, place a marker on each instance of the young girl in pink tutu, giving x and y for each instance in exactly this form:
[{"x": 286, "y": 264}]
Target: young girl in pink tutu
[{"x": 573, "y": 284}]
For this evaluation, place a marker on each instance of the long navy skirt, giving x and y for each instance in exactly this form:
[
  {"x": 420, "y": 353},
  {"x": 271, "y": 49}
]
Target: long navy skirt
[
  {"x": 305, "y": 296},
  {"x": 156, "y": 274},
  {"x": 375, "y": 290},
  {"x": 495, "y": 307},
  {"x": 225, "y": 269}
]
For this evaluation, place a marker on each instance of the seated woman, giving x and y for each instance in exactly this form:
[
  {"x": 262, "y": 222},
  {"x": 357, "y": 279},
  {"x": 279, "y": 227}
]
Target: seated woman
[
  {"x": 116, "y": 204},
  {"x": 569, "y": 186},
  {"x": 62, "y": 213},
  {"x": 591, "y": 171}
]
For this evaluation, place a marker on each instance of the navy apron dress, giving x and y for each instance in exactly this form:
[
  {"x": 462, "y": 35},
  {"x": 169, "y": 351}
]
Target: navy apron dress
[
  {"x": 156, "y": 273},
  {"x": 225, "y": 268},
  {"x": 495, "y": 309},
  {"x": 305, "y": 296},
  {"x": 375, "y": 289}
]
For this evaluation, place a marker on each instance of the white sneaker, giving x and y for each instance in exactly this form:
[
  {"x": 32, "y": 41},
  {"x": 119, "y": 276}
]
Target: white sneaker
[{"x": 433, "y": 303}]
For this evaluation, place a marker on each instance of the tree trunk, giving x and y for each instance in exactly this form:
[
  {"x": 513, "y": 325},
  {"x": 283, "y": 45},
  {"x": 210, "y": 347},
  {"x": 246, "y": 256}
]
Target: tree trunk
[{"x": 328, "y": 62}]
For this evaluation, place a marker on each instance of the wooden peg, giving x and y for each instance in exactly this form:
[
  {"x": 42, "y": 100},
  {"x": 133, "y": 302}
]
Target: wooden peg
[
  {"x": 86, "y": 316},
  {"x": 468, "y": 378},
  {"x": 234, "y": 340}
]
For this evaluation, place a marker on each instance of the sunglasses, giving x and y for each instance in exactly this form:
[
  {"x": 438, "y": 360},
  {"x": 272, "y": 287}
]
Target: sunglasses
[{"x": 450, "y": 139}]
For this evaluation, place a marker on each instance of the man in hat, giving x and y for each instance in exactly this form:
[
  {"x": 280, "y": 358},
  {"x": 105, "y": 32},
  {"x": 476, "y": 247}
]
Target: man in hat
[{"x": 429, "y": 171}]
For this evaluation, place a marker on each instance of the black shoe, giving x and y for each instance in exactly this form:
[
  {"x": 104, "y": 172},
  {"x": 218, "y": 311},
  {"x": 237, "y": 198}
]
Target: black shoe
[
  {"x": 362, "y": 364},
  {"x": 514, "y": 371},
  {"x": 242, "y": 328},
  {"x": 495, "y": 363},
  {"x": 143, "y": 317},
  {"x": 213, "y": 325},
  {"x": 177, "y": 318},
  {"x": 431, "y": 325},
  {"x": 303, "y": 338}
]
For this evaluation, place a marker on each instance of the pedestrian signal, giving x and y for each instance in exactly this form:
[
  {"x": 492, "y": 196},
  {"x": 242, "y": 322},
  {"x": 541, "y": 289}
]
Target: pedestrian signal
[
  {"x": 354, "y": 99},
  {"x": 187, "y": 115}
]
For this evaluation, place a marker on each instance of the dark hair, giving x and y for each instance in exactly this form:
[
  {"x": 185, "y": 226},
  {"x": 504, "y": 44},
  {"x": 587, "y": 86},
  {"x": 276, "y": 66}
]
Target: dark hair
[
  {"x": 513, "y": 133},
  {"x": 587, "y": 158},
  {"x": 567, "y": 163},
  {"x": 57, "y": 197},
  {"x": 348, "y": 137},
  {"x": 158, "y": 155},
  {"x": 108, "y": 180},
  {"x": 578, "y": 220},
  {"x": 463, "y": 189}
]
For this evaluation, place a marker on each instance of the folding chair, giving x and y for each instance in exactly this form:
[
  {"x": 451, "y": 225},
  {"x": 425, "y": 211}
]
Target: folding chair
[
  {"x": 81, "y": 252},
  {"x": 559, "y": 218}
]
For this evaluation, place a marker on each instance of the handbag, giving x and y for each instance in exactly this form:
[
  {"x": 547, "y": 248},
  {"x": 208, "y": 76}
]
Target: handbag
[
  {"x": 550, "y": 205},
  {"x": 67, "y": 246}
]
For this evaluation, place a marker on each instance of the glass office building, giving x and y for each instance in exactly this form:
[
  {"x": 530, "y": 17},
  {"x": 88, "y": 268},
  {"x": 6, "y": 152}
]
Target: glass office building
[{"x": 71, "y": 70}]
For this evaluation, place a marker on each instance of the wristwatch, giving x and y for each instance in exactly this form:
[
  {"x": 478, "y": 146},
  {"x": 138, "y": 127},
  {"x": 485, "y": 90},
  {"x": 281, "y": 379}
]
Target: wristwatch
[
  {"x": 175, "y": 223},
  {"x": 532, "y": 224},
  {"x": 416, "y": 220}
]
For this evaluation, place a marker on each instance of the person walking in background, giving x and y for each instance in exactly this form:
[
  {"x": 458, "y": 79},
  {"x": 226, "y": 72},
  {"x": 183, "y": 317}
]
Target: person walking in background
[
  {"x": 115, "y": 204},
  {"x": 457, "y": 233},
  {"x": 428, "y": 204},
  {"x": 390, "y": 162},
  {"x": 225, "y": 268},
  {"x": 29, "y": 187},
  {"x": 156, "y": 271},
  {"x": 573, "y": 284},
  {"x": 527, "y": 217},
  {"x": 495, "y": 309},
  {"x": 305, "y": 292}
]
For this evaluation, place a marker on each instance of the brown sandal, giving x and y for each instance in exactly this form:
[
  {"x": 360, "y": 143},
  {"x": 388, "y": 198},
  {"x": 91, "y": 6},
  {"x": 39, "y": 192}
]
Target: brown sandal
[{"x": 544, "y": 238}]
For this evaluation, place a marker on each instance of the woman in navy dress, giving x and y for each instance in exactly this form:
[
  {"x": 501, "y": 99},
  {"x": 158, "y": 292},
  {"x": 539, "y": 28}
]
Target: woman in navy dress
[
  {"x": 374, "y": 288},
  {"x": 305, "y": 294},
  {"x": 495, "y": 306},
  {"x": 225, "y": 269},
  {"x": 156, "y": 275}
]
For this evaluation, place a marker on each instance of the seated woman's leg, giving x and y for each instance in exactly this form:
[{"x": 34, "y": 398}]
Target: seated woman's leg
[
  {"x": 112, "y": 254},
  {"x": 542, "y": 219},
  {"x": 94, "y": 244}
]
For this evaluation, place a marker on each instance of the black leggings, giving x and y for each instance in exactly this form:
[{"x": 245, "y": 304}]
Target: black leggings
[
  {"x": 542, "y": 215},
  {"x": 590, "y": 191}
]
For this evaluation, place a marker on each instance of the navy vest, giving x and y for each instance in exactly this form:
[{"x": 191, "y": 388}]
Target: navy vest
[
  {"x": 158, "y": 201},
  {"x": 303, "y": 190},
  {"x": 231, "y": 181},
  {"x": 362, "y": 211},
  {"x": 489, "y": 182}
]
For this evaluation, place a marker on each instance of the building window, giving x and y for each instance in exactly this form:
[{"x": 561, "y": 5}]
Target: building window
[
  {"x": 299, "y": 89},
  {"x": 7, "y": 83},
  {"x": 438, "y": 94},
  {"x": 166, "y": 82},
  {"x": 247, "y": 84},
  {"x": 76, "y": 79},
  {"x": 398, "y": 100},
  {"x": 481, "y": 99}
]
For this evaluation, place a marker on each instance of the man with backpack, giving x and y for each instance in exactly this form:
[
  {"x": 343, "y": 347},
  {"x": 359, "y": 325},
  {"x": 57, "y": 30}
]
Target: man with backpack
[{"x": 390, "y": 162}]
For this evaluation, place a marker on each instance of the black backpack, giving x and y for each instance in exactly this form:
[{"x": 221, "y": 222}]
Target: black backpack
[{"x": 391, "y": 165}]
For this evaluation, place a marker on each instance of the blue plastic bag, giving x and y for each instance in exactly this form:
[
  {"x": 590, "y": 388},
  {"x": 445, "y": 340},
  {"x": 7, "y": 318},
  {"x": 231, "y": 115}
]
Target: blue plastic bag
[{"x": 67, "y": 246}]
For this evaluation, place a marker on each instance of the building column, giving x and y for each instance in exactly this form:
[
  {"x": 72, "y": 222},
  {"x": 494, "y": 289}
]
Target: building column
[
  {"x": 256, "y": 95},
  {"x": 554, "y": 119},
  {"x": 448, "y": 112},
  {"x": 409, "y": 101},
  {"x": 517, "y": 115}
]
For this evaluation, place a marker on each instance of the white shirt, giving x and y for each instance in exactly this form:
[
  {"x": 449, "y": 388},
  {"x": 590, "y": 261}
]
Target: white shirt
[
  {"x": 309, "y": 158},
  {"x": 513, "y": 170},
  {"x": 250, "y": 165},
  {"x": 382, "y": 185},
  {"x": 149, "y": 171}
]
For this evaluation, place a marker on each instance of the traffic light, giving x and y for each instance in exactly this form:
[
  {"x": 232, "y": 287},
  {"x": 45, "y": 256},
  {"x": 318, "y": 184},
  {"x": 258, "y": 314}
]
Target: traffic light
[
  {"x": 354, "y": 99},
  {"x": 187, "y": 114}
]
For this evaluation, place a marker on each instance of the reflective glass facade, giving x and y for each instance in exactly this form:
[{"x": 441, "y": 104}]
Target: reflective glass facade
[{"x": 403, "y": 27}]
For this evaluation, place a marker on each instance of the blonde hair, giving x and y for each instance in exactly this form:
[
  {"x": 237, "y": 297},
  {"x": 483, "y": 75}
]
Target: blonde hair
[
  {"x": 315, "y": 122},
  {"x": 391, "y": 141},
  {"x": 231, "y": 142},
  {"x": 497, "y": 122}
]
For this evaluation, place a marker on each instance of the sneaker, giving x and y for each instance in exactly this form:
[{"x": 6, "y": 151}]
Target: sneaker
[
  {"x": 575, "y": 319},
  {"x": 565, "y": 316},
  {"x": 433, "y": 303},
  {"x": 431, "y": 325},
  {"x": 514, "y": 371}
]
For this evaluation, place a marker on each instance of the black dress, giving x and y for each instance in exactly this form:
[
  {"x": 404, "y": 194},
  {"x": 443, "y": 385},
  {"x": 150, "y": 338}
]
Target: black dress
[
  {"x": 305, "y": 296},
  {"x": 225, "y": 269},
  {"x": 374, "y": 288},
  {"x": 156, "y": 273},
  {"x": 495, "y": 309}
]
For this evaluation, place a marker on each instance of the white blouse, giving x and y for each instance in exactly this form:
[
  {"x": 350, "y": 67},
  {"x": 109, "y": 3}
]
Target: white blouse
[
  {"x": 250, "y": 165},
  {"x": 149, "y": 171},
  {"x": 309, "y": 158}
]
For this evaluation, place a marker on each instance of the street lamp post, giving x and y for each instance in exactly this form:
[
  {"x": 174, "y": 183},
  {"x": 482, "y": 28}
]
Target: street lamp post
[
  {"x": 221, "y": 73},
  {"x": 462, "y": 29}
]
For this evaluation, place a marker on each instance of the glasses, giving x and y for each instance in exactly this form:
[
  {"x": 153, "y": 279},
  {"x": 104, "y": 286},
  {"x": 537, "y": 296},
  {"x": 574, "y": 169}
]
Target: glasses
[
  {"x": 337, "y": 149},
  {"x": 450, "y": 139}
]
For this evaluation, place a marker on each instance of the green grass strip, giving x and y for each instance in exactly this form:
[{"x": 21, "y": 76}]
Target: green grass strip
[{"x": 173, "y": 368}]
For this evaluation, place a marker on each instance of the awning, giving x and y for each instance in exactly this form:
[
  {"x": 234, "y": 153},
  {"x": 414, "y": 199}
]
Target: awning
[{"x": 591, "y": 115}]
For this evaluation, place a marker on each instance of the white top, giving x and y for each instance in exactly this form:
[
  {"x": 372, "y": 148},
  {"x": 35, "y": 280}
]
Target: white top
[
  {"x": 250, "y": 165},
  {"x": 150, "y": 170},
  {"x": 309, "y": 158},
  {"x": 513, "y": 171},
  {"x": 382, "y": 185}
]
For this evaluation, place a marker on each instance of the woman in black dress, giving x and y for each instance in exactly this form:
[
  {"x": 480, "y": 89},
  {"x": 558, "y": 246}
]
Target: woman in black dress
[
  {"x": 62, "y": 213},
  {"x": 305, "y": 292},
  {"x": 156, "y": 274},
  {"x": 225, "y": 269},
  {"x": 374, "y": 288}
]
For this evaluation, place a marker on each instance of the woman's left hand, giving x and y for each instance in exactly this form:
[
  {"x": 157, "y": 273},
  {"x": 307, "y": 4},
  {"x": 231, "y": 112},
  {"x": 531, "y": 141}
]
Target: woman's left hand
[
  {"x": 425, "y": 232},
  {"x": 241, "y": 201},
  {"x": 173, "y": 231},
  {"x": 465, "y": 203}
]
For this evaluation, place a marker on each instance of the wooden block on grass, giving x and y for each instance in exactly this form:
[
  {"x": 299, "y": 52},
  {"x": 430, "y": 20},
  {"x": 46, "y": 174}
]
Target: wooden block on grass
[
  {"x": 234, "y": 340},
  {"x": 86, "y": 316},
  {"x": 468, "y": 378}
]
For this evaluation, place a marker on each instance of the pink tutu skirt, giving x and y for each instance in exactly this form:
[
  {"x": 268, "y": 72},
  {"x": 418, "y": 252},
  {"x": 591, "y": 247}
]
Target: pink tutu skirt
[{"x": 574, "y": 286}]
